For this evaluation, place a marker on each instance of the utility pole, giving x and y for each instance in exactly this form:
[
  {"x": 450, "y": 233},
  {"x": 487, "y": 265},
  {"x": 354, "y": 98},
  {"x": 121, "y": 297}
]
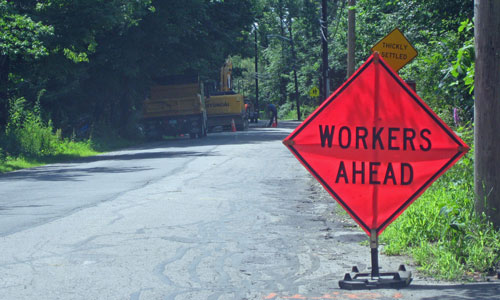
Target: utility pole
[
  {"x": 351, "y": 37},
  {"x": 256, "y": 71},
  {"x": 486, "y": 109},
  {"x": 324, "y": 46}
]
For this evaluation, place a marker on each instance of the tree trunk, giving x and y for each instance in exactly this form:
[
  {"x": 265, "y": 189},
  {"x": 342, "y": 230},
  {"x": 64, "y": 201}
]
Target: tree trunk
[
  {"x": 256, "y": 70},
  {"x": 487, "y": 109},
  {"x": 325, "y": 91},
  {"x": 283, "y": 83},
  {"x": 4, "y": 95}
]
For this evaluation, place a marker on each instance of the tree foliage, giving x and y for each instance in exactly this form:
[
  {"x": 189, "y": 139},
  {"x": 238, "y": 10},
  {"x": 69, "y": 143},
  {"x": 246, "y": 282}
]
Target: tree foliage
[{"x": 440, "y": 31}]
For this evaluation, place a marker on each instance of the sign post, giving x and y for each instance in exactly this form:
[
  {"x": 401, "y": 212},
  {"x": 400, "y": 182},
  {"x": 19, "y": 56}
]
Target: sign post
[{"x": 375, "y": 146}]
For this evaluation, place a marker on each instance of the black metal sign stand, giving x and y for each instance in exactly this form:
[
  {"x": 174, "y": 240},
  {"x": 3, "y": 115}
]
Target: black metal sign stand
[{"x": 375, "y": 279}]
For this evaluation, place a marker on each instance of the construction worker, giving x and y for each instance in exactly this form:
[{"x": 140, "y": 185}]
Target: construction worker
[{"x": 274, "y": 114}]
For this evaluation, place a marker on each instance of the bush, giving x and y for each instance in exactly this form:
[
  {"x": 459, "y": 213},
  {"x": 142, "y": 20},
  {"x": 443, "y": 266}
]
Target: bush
[
  {"x": 26, "y": 134},
  {"x": 2, "y": 155}
]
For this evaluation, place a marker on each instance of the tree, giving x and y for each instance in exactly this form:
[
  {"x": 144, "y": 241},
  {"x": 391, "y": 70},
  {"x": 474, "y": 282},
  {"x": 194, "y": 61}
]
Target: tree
[
  {"x": 487, "y": 109},
  {"x": 21, "y": 43}
]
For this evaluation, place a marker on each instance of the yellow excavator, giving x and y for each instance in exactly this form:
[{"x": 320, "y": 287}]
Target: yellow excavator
[{"x": 225, "y": 106}]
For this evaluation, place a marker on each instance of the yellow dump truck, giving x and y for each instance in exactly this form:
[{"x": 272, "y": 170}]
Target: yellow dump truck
[
  {"x": 174, "y": 108},
  {"x": 226, "y": 106}
]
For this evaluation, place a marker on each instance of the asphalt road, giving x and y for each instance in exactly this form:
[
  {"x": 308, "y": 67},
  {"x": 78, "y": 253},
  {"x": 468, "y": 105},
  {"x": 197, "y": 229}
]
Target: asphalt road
[{"x": 232, "y": 216}]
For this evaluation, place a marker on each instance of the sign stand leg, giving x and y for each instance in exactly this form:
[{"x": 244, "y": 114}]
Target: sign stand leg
[
  {"x": 374, "y": 252},
  {"x": 375, "y": 279}
]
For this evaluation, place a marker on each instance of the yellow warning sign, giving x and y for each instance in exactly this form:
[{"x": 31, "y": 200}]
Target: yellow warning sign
[
  {"x": 314, "y": 92},
  {"x": 395, "y": 49}
]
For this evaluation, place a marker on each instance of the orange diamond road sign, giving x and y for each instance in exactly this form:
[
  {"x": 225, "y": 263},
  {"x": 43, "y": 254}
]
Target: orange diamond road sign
[
  {"x": 375, "y": 146},
  {"x": 395, "y": 50}
]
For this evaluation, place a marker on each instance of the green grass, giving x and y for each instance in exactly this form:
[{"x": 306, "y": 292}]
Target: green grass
[
  {"x": 65, "y": 150},
  {"x": 12, "y": 164},
  {"x": 441, "y": 231}
]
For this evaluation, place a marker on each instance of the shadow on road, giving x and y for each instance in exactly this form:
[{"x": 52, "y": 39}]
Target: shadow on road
[
  {"x": 58, "y": 173},
  {"x": 144, "y": 155}
]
